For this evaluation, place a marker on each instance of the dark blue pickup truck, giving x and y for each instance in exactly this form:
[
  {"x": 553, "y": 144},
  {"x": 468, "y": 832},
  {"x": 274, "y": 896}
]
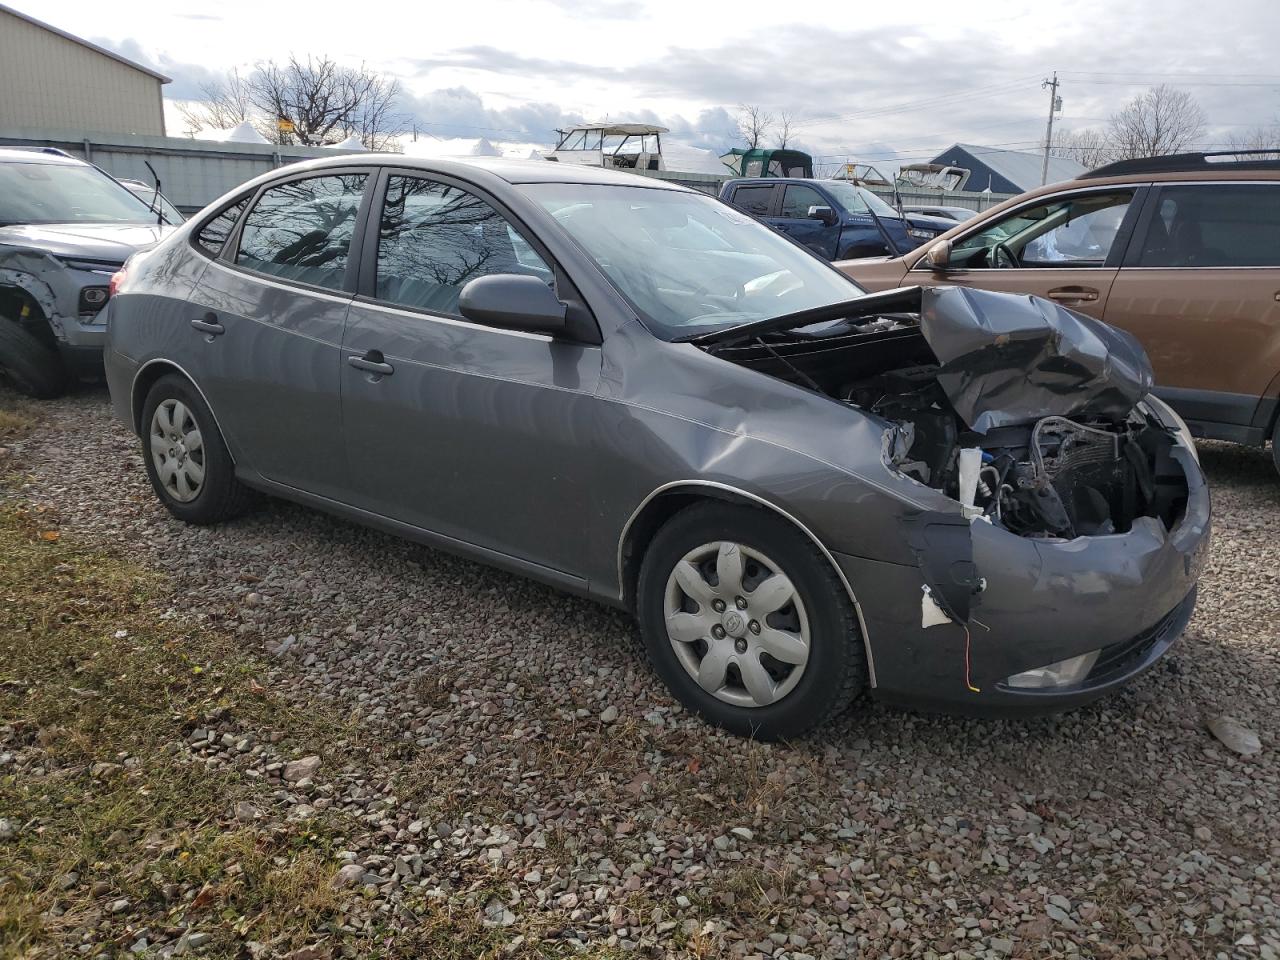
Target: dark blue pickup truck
[{"x": 833, "y": 218}]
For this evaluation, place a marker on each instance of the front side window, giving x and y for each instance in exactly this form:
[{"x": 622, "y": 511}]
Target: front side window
[
  {"x": 1069, "y": 232},
  {"x": 434, "y": 238},
  {"x": 798, "y": 199},
  {"x": 301, "y": 230},
  {"x": 688, "y": 263},
  {"x": 1214, "y": 225}
]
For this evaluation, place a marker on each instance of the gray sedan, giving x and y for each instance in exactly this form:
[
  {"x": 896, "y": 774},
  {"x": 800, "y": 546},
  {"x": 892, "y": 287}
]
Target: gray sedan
[{"x": 636, "y": 393}]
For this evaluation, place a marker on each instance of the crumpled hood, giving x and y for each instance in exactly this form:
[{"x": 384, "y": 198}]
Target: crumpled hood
[
  {"x": 1009, "y": 359},
  {"x": 113, "y": 242}
]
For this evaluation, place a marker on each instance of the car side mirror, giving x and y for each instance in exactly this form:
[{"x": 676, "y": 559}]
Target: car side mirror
[
  {"x": 938, "y": 256},
  {"x": 825, "y": 214},
  {"x": 515, "y": 302}
]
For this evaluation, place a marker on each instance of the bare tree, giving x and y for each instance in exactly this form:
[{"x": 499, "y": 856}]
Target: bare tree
[
  {"x": 225, "y": 104},
  {"x": 1161, "y": 121},
  {"x": 754, "y": 124},
  {"x": 317, "y": 101},
  {"x": 785, "y": 129},
  {"x": 1088, "y": 147},
  {"x": 1259, "y": 138}
]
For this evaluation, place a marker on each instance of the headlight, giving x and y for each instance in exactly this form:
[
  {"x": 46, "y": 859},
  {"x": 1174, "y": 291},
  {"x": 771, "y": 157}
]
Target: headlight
[
  {"x": 920, "y": 234},
  {"x": 1064, "y": 673}
]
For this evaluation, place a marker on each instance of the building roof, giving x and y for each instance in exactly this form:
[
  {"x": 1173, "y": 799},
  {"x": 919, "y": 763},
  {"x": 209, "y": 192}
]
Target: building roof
[
  {"x": 84, "y": 43},
  {"x": 1019, "y": 167}
]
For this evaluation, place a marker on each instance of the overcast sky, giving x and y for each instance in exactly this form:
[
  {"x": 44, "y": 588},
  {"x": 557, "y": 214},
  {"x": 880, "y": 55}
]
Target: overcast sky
[{"x": 873, "y": 81}]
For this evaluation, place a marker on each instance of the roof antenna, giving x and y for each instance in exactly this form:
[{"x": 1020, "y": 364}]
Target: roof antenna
[{"x": 155, "y": 197}]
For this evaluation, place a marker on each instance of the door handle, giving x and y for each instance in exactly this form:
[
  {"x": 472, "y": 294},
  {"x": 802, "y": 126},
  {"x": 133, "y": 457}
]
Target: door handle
[
  {"x": 372, "y": 362},
  {"x": 209, "y": 324},
  {"x": 1073, "y": 294}
]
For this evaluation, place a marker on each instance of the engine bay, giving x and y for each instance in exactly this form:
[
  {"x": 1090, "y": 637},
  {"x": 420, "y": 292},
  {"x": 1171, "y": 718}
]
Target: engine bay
[
  {"x": 1056, "y": 477},
  {"x": 1007, "y": 408}
]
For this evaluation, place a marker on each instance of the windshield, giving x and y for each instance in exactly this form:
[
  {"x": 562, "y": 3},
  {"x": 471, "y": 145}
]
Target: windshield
[
  {"x": 62, "y": 193},
  {"x": 858, "y": 199},
  {"x": 687, "y": 262}
]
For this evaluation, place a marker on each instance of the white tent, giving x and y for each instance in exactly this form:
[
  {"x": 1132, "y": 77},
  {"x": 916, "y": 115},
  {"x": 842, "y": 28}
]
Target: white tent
[
  {"x": 243, "y": 133},
  {"x": 685, "y": 158},
  {"x": 351, "y": 143}
]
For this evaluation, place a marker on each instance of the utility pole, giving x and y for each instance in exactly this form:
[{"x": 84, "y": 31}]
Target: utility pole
[{"x": 1055, "y": 105}]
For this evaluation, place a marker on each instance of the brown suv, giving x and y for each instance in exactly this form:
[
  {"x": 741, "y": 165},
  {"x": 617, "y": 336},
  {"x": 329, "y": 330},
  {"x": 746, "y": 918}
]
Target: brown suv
[{"x": 1181, "y": 251}]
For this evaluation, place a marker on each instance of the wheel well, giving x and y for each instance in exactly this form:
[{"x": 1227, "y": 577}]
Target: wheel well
[
  {"x": 661, "y": 508},
  {"x": 22, "y": 308},
  {"x": 142, "y": 385}
]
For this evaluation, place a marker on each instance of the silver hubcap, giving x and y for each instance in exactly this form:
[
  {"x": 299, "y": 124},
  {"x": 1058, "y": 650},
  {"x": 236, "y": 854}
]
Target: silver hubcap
[
  {"x": 177, "y": 450},
  {"x": 737, "y": 624}
]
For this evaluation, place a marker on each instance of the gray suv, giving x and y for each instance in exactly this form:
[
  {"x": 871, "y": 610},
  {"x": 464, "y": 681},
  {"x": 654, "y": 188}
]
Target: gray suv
[
  {"x": 635, "y": 392},
  {"x": 65, "y": 228}
]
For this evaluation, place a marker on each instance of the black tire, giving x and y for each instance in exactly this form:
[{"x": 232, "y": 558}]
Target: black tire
[
  {"x": 34, "y": 368},
  {"x": 836, "y": 668},
  {"x": 1275, "y": 445},
  {"x": 220, "y": 496}
]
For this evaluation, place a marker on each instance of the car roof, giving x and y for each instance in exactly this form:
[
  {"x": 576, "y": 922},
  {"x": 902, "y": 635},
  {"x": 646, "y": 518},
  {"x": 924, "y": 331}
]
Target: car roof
[
  {"x": 501, "y": 168},
  {"x": 39, "y": 155}
]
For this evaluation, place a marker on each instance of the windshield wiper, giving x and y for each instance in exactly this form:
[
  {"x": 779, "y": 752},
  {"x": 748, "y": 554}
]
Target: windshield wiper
[{"x": 886, "y": 301}]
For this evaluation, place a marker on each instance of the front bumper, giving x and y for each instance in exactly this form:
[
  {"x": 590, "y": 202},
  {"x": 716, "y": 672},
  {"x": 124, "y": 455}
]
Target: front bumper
[{"x": 1129, "y": 595}]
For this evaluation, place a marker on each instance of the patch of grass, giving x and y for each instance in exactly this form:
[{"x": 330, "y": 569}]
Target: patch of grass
[
  {"x": 97, "y": 697},
  {"x": 17, "y": 416}
]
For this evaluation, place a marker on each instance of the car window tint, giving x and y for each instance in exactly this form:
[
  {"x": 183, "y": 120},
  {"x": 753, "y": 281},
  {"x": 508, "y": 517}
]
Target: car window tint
[
  {"x": 302, "y": 230},
  {"x": 1215, "y": 225},
  {"x": 1072, "y": 231},
  {"x": 798, "y": 199},
  {"x": 434, "y": 239},
  {"x": 754, "y": 200},
  {"x": 212, "y": 235}
]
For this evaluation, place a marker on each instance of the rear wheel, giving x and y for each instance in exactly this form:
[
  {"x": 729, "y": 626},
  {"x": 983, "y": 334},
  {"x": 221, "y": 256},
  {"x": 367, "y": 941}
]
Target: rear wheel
[
  {"x": 32, "y": 367},
  {"x": 747, "y": 623},
  {"x": 186, "y": 457}
]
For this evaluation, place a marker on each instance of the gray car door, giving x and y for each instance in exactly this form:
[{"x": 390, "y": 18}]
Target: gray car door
[
  {"x": 269, "y": 316},
  {"x": 469, "y": 431}
]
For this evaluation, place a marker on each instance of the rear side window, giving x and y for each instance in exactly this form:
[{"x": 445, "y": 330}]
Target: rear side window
[
  {"x": 1215, "y": 225},
  {"x": 754, "y": 200},
  {"x": 212, "y": 235},
  {"x": 302, "y": 230},
  {"x": 435, "y": 238},
  {"x": 799, "y": 198}
]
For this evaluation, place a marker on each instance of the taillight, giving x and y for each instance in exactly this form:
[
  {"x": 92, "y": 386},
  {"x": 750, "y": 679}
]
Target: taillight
[{"x": 117, "y": 278}]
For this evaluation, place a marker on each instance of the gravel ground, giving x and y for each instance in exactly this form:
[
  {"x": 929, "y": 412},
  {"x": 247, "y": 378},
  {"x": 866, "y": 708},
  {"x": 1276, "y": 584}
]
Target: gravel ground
[{"x": 521, "y": 761}]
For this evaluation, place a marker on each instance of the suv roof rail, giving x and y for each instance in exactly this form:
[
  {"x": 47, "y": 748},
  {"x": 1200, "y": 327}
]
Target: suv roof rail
[
  {"x": 1191, "y": 163},
  {"x": 58, "y": 152}
]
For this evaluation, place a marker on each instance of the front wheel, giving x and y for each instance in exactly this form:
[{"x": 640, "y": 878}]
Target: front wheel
[
  {"x": 747, "y": 623},
  {"x": 35, "y": 369}
]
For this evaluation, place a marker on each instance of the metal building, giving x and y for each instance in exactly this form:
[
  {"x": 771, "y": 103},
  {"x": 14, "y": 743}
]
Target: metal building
[
  {"x": 1006, "y": 171},
  {"x": 51, "y": 79}
]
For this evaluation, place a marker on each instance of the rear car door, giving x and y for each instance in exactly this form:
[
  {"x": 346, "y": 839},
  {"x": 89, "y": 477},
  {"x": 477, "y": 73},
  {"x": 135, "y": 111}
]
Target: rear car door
[
  {"x": 268, "y": 316},
  {"x": 443, "y": 418},
  {"x": 1200, "y": 287},
  {"x": 794, "y": 220},
  {"x": 1066, "y": 248}
]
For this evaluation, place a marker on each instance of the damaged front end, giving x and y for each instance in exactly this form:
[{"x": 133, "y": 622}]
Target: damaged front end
[{"x": 1075, "y": 521}]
